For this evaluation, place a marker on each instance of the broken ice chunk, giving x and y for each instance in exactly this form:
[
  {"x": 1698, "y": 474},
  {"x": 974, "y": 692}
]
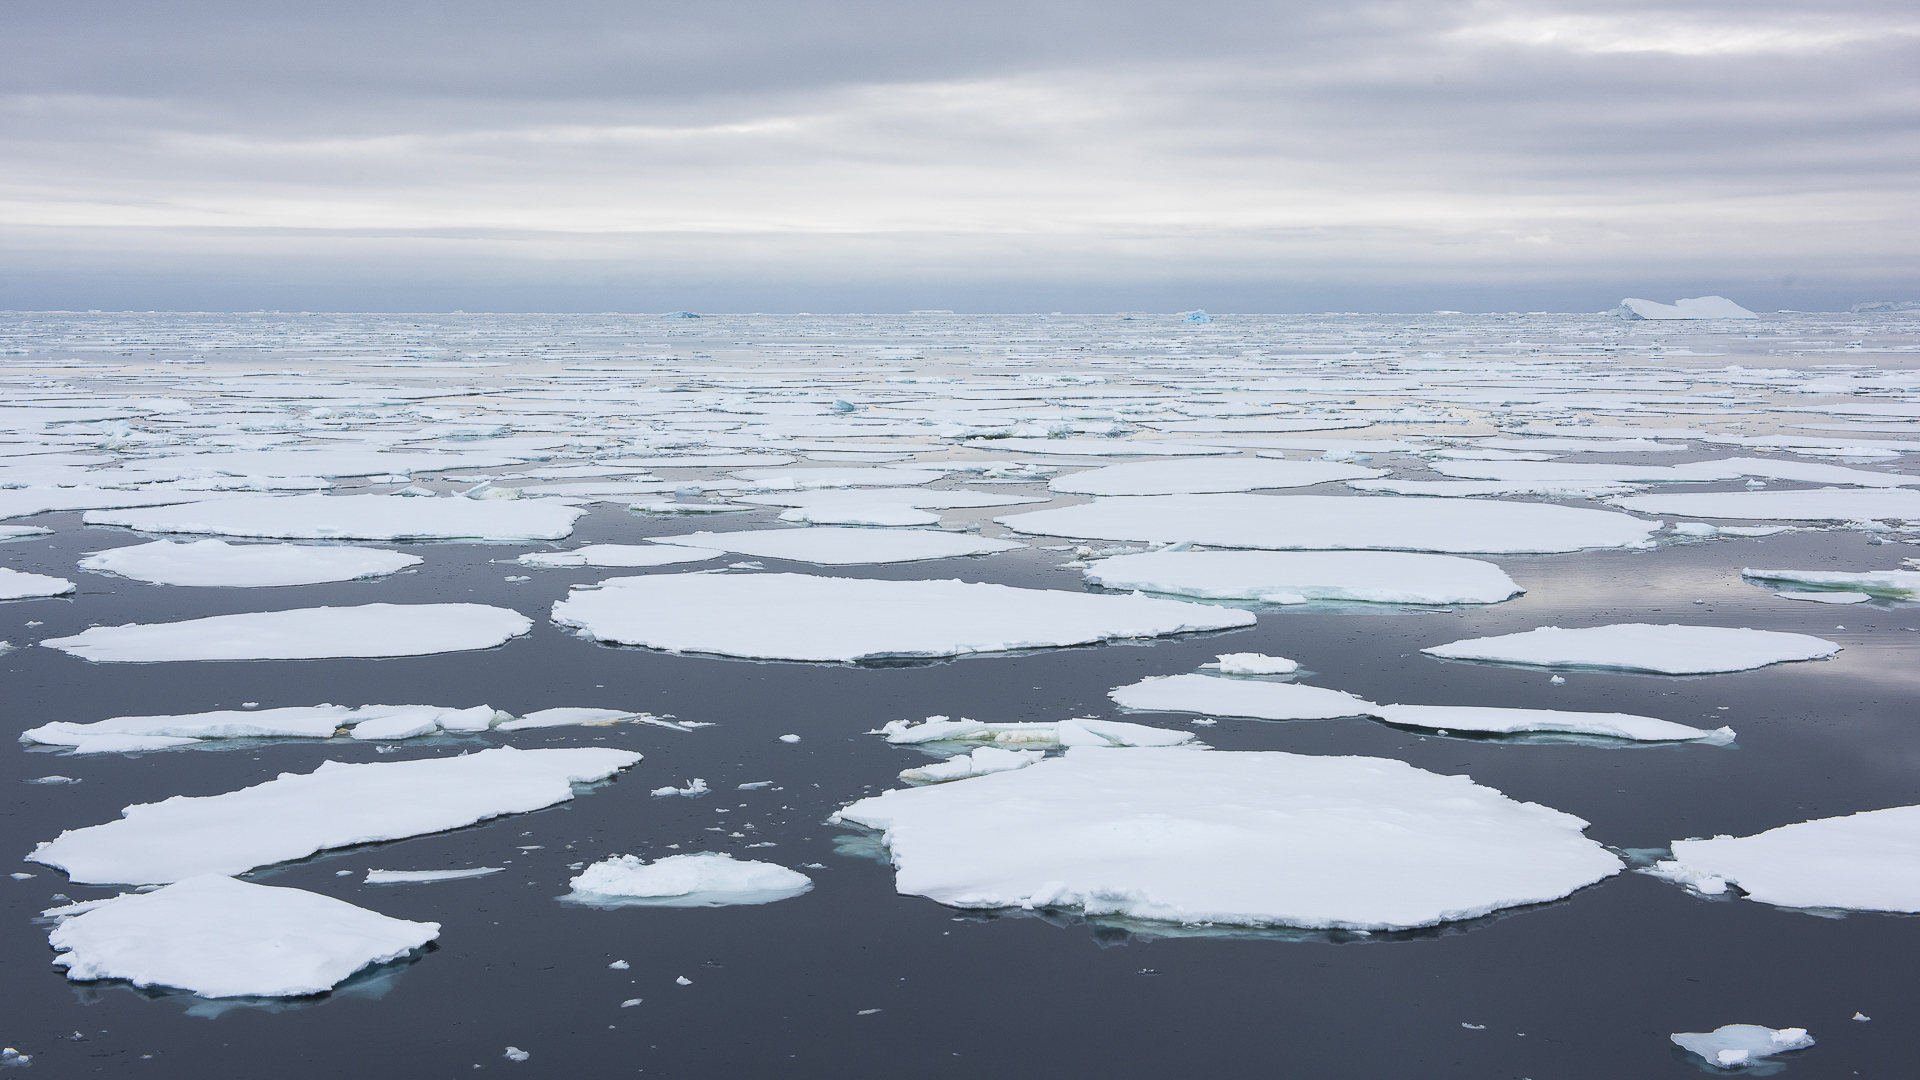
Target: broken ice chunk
[
  {"x": 618, "y": 555},
  {"x": 841, "y": 546},
  {"x": 701, "y": 879},
  {"x": 1079, "y": 731},
  {"x": 1669, "y": 649},
  {"x": 566, "y": 717},
  {"x": 411, "y": 877},
  {"x": 697, "y": 787},
  {"x": 1894, "y": 584},
  {"x": 1868, "y": 861},
  {"x": 1252, "y": 663},
  {"x": 986, "y": 759},
  {"x": 1212, "y": 696},
  {"x": 1826, "y": 597},
  {"x": 1739, "y": 1045},
  {"x": 355, "y": 517},
  {"x": 18, "y": 585}
]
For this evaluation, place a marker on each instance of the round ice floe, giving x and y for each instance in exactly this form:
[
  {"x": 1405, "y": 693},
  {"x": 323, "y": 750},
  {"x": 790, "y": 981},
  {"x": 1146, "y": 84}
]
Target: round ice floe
[
  {"x": 1212, "y": 696},
  {"x": 224, "y": 938},
  {"x": 1862, "y": 862},
  {"x": 1191, "y": 477},
  {"x": 355, "y": 517},
  {"x": 843, "y": 546},
  {"x": 18, "y": 585},
  {"x": 1292, "y": 577},
  {"x": 1336, "y": 522},
  {"x": 216, "y": 562},
  {"x": 303, "y": 634},
  {"x": 801, "y": 617},
  {"x": 701, "y": 879},
  {"x": 1824, "y": 504},
  {"x": 1663, "y": 650},
  {"x": 1260, "y": 839}
]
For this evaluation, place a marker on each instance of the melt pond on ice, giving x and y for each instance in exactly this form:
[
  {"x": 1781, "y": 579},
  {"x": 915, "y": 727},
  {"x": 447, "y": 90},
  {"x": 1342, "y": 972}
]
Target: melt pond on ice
[
  {"x": 218, "y": 563},
  {"x": 303, "y": 634},
  {"x": 1289, "y": 577},
  {"x": 1671, "y": 649}
]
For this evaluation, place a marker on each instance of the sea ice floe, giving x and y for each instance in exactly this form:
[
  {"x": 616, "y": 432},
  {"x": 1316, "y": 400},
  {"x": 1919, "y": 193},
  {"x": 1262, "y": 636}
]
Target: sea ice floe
[
  {"x": 838, "y": 546},
  {"x": 1101, "y": 447},
  {"x": 1457, "y": 489},
  {"x": 802, "y": 617},
  {"x": 1335, "y": 522},
  {"x": 1079, "y": 731},
  {"x": 1669, "y": 649},
  {"x": 216, "y": 562},
  {"x": 1826, "y": 597},
  {"x": 337, "y": 805},
  {"x": 1895, "y": 584},
  {"x": 224, "y": 938},
  {"x": 1819, "y": 504},
  {"x": 1252, "y": 663},
  {"x": 1491, "y": 721},
  {"x": 1295, "y": 577},
  {"x": 618, "y": 555},
  {"x": 980, "y": 762},
  {"x": 877, "y": 506},
  {"x": 1868, "y": 861},
  {"x": 415, "y": 877},
  {"x": 19, "y": 585},
  {"x": 355, "y": 517},
  {"x": 303, "y": 634},
  {"x": 546, "y": 718},
  {"x": 806, "y": 478},
  {"x": 699, "y": 879},
  {"x": 1212, "y": 696},
  {"x": 1193, "y": 477},
  {"x": 1218, "y": 837},
  {"x": 1736, "y": 1046}
]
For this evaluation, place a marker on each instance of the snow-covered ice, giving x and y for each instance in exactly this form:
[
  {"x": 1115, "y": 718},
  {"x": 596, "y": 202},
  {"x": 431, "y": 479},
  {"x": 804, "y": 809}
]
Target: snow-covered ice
[
  {"x": 1335, "y": 522},
  {"x": 355, "y": 517},
  {"x": 216, "y": 562},
  {"x": 979, "y": 762},
  {"x": 564, "y": 717},
  {"x": 802, "y": 617},
  {"x": 1295, "y": 577},
  {"x": 224, "y": 938},
  {"x": 1669, "y": 649},
  {"x": 1493, "y": 721},
  {"x": 20, "y": 585},
  {"x": 1736, "y": 1046},
  {"x": 837, "y": 546},
  {"x": 1079, "y": 731},
  {"x": 1252, "y": 663},
  {"x": 1868, "y": 861},
  {"x": 125, "y": 733},
  {"x": 1698, "y": 307},
  {"x": 1217, "y": 837},
  {"x": 303, "y": 634},
  {"x": 618, "y": 555},
  {"x": 337, "y": 805},
  {"x": 1193, "y": 477},
  {"x": 1213, "y": 696},
  {"x": 699, "y": 879}
]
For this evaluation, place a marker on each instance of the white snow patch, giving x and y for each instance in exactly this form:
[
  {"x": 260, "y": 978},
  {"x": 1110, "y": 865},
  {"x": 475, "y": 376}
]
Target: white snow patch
[
  {"x": 1296, "y": 577},
  {"x": 1252, "y": 663},
  {"x": 303, "y": 634},
  {"x": 980, "y": 762},
  {"x": 1826, "y": 597},
  {"x": 1669, "y": 649},
  {"x": 414, "y": 877}
]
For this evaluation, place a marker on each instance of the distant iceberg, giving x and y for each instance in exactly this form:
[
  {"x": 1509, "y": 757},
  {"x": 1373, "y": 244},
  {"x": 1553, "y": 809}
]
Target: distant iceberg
[
  {"x": 1699, "y": 307},
  {"x": 1885, "y": 305}
]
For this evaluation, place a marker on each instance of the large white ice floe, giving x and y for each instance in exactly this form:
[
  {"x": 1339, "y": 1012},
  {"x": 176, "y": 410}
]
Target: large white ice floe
[
  {"x": 1737, "y": 1046},
  {"x": 1669, "y": 649},
  {"x": 123, "y": 734},
  {"x": 1897, "y": 584},
  {"x": 355, "y": 517},
  {"x": 1213, "y": 696},
  {"x": 20, "y": 585},
  {"x": 1861, "y": 862},
  {"x": 224, "y": 938},
  {"x": 1193, "y": 477},
  {"x": 802, "y": 617},
  {"x": 1295, "y": 577},
  {"x": 700, "y": 879},
  {"x": 1079, "y": 731},
  {"x": 216, "y": 562},
  {"x": 837, "y": 546},
  {"x": 1256, "y": 839},
  {"x": 1698, "y": 307},
  {"x": 1480, "y": 720},
  {"x": 1819, "y": 504},
  {"x": 1101, "y": 447},
  {"x": 303, "y": 634},
  {"x": 336, "y": 805},
  {"x": 618, "y": 555},
  {"x": 1336, "y": 522}
]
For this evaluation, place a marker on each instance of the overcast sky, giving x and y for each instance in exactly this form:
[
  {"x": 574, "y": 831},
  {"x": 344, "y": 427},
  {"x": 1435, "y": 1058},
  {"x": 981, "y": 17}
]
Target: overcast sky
[{"x": 876, "y": 155}]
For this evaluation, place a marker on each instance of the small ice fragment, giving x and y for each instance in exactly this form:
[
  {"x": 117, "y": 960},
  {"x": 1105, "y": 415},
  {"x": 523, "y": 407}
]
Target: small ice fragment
[
  {"x": 866, "y": 1012},
  {"x": 703, "y": 879},
  {"x": 630, "y": 1003},
  {"x": 1827, "y": 598},
  {"x": 619, "y": 965},
  {"x": 789, "y": 738},
  {"x": 1861, "y": 1016},
  {"x": 1737, "y": 1045},
  {"x": 343, "y": 873},
  {"x": 697, "y": 787},
  {"x": 755, "y": 786},
  {"x": 55, "y": 778},
  {"x": 1253, "y": 663},
  {"x": 1557, "y": 680},
  {"x": 410, "y": 877},
  {"x": 19, "y": 877},
  {"x": 10, "y": 1056},
  {"x": 684, "y": 981},
  {"x": 514, "y": 1053},
  {"x": 1474, "y": 1027}
]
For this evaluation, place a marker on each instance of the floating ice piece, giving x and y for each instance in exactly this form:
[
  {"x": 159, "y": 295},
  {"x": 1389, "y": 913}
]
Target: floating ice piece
[
  {"x": 337, "y": 805},
  {"x": 877, "y": 507},
  {"x": 987, "y": 759},
  {"x": 355, "y": 517},
  {"x": 20, "y": 532},
  {"x": 1256, "y": 424},
  {"x": 122, "y": 733},
  {"x": 1193, "y": 477},
  {"x": 700, "y": 879},
  {"x": 670, "y": 506},
  {"x": 1820, "y": 504},
  {"x": 303, "y": 634},
  {"x": 1826, "y": 597},
  {"x": 1219, "y": 837},
  {"x": 1669, "y": 649},
  {"x": 399, "y": 724},
  {"x": 19, "y": 585},
  {"x": 1212, "y": 696},
  {"x": 1100, "y": 447},
  {"x": 1736, "y": 1046},
  {"x": 1457, "y": 489},
  {"x": 801, "y": 617},
  {"x": 1253, "y": 663},
  {"x": 1517, "y": 721},
  {"x": 807, "y": 478},
  {"x": 842, "y": 546},
  {"x": 1335, "y": 522},
  {"x": 1079, "y": 731},
  {"x": 414, "y": 877},
  {"x": 617, "y": 555},
  {"x": 1868, "y": 861},
  {"x": 1295, "y": 577},
  {"x": 1698, "y": 307},
  {"x": 696, "y": 787},
  {"x": 1898, "y": 584},
  {"x": 567, "y": 717},
  {"x": 224, "y": 938},
  {"x": 216, "y": 562}
]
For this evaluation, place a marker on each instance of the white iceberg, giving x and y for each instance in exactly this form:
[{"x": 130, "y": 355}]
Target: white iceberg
[
  {"x": 355, "y": 517},
  {"x": 1211, "y": 696},
  {"x": 980, "y": 762},
  {"x": 1493, "y": 721},
  {"x": 1861, "y": 862},
  {"x": 1218, "y": 837},
  {"x": 1819, "y": 504},
  {"x": 224, "y": 938},
  {"x": 303, "y": 634},
  {"x": 1895, "y": 584},
  {"x": 1194, "y": 477},
  {"x": 1736, "y": 1046},
  {"x": 337, "y": 805},
  {"x": 833, "y": 546},
  {"x": 1295, "y": 577},
  {"x": 617, "y": 555},
  {"x": 1698, "y": 307},
  {"x": 801, "y": 617},
  {"x": 700, "y": 879},
  {"x": 1336, "y": 522},
  {"x": 1669, "y": 649},
  {"x": 216, "y": 562},
  {"x": 20, "y": 585},
  {"x": 1079, "y": 731}
]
